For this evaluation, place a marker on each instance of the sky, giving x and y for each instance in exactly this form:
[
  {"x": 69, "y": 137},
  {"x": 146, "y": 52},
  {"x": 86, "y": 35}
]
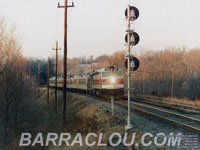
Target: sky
[{"x": 97, "y": 27}]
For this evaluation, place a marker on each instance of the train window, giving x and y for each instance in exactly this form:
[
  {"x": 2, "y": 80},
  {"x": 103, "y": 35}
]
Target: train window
[
  {"x": 119, "y": 73},
  {"x": 107, "y": 74}
]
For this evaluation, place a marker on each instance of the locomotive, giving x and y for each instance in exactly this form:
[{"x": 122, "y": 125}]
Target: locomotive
[{"x": 103, "y": 81}]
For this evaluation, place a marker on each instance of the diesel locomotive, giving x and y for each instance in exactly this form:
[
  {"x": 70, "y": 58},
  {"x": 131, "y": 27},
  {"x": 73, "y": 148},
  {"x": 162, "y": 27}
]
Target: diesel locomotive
[{"x": 103, "y": 81}]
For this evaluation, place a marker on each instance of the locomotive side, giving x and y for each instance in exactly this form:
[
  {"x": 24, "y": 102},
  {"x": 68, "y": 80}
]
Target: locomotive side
[{"x": 104, "y": 81}]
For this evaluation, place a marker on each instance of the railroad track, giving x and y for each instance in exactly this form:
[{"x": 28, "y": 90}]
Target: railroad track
[
  {"x": 171, "y": 117},
  {"x": 174, "y": 116},
  {"x": 190, "y": 109},
  {"x": 168, "y": 105}
]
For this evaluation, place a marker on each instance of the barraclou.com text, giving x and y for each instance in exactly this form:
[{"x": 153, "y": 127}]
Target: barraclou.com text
[{"x": 92, "y": 139}]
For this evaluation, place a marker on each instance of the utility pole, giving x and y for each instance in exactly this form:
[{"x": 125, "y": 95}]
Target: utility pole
[
  {"x": 56, "y": 74},
  {"x": 172, "y": 88},
  {"x": 65, "y": 59},
  {"x": 91, "y": 61},
  {"x": 38, "y": 79},
  {"x": 48, "y": 82},
  {"x": 143, "y": 85},
  {"x": 172, "y": 80},
  {"x": 29, "y": 70}
]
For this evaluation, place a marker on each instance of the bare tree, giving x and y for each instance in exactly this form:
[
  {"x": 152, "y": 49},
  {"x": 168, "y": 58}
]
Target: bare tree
[{"x": 12, "y": 80}]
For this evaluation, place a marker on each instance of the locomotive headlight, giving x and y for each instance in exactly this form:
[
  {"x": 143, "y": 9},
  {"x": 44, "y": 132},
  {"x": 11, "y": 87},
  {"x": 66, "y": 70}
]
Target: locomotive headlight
[{"x": 112, "y": 79}]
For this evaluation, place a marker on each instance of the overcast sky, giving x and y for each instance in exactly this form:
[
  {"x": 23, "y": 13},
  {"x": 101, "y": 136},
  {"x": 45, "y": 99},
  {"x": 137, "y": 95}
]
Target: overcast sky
[{"x": 98, "y": 26}]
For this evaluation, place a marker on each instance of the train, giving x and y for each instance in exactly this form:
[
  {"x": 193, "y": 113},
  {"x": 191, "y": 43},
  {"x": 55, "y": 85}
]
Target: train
[{"x": 107, "y": 81}]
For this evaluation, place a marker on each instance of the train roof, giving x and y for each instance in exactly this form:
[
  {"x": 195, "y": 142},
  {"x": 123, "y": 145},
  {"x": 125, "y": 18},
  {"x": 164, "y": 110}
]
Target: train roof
[{"x": 105, "y": 69}]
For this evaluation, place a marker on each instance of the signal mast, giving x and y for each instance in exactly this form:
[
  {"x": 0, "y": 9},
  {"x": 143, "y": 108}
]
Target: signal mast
[{"x": 132, "y": 63}]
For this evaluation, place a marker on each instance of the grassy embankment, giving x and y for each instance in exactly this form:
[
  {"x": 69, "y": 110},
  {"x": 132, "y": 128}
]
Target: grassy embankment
[{"x": 81, "y": 118}]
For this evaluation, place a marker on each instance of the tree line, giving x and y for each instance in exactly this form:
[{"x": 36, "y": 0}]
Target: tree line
[
  {"x": 169, "y": 72},
  {"x": 19, "y": 107},
  {"x": 32, "y": 69}
]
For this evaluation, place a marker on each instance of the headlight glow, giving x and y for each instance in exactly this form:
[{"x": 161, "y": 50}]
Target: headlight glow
[{"x": 112, "y": 79}]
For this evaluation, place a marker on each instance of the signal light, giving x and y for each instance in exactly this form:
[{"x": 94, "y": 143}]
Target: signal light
[
  {"x": 134, "y": 38},
  {"x": 133, "y": 13},
  {"x": 134, "y": 63}
]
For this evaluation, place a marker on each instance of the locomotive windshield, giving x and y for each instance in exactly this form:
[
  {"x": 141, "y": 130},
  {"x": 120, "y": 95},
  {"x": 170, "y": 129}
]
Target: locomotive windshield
[{"x": 116, "y": 74}]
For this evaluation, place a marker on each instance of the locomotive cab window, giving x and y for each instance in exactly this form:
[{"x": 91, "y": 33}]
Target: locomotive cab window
[{"x": 108, "y": 74}]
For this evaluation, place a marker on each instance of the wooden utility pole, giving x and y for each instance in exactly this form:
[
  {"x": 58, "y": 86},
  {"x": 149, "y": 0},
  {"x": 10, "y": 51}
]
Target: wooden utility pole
[
  {"x": 56, "y": 74},
  {"x": 48, "y": 82},
  {"x": 65, "y": 59},
  {"x": 143, "y": 85},
  {"x": 91, "y": 61},
  {"x": 172, "y": 80},
  {"x": 29, "y": 70},
  {"x": 38, "y": 79},
  {"x": 172, "y": 88}
]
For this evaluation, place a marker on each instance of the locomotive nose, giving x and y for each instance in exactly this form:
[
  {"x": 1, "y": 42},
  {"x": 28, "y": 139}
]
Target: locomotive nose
[{"x": 112, "y": 79}]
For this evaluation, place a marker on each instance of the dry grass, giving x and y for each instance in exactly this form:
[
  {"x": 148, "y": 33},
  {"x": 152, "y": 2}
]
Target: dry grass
[
  {"x": 89, "y": 111},
  {"x": 183, "y": 101}
]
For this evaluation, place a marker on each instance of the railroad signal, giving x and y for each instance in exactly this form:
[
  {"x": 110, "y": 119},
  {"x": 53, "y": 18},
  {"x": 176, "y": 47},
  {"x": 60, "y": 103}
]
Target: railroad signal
[
  {"x": 133, "y": 13},
  {"x": 134, "y": 63},
  {"x": 134, "y": 38}
]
